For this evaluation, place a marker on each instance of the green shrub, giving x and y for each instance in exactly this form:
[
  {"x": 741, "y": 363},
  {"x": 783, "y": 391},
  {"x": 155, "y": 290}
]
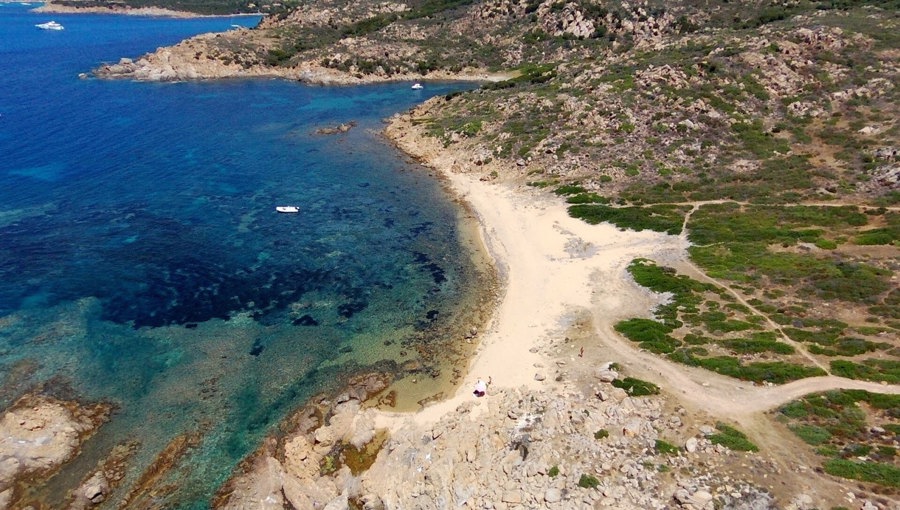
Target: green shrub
[
  {"x": 777, "y": 372},
  {"x": 553, "y": 472},
  {"x": 853, "y": 282},
  {"x": 827, "y": 335},
  {"x": 796, "y": 409},
  {"x": 588, "y": 482},
  {"x": 659, "y": 218},
  {"x": 650, "y": 334},
  {"x": 812, "y": 434},
  {"x": 601, "y": 434},
  {"x": 666, "y": 448},
  {"x": 717, "y": 323},
  {"x": 874, "y": 472},
  {"x": 756, "y": 140},
  {"x": 857, "y": 346},
  {"x": 569, "y": 189},
  {"x": 587, "y": 198},
  {"x": 869, "y": 370},
  {"x": 826, "y": 244},
  {"x": 732, "y": 439},
  {"x": 636, "y": 387},
  {"x": 878, "y": 236},
  {"x": 644, "y": 330},
  {"x": 471, "y": 128},
  {"x": 756, "y": 344},
  {"x": 664, "y": 279},
  {"x": 693, "y": 339},
  {"x": 528, "y": 74},
  {"x": 886, "y": 451}
]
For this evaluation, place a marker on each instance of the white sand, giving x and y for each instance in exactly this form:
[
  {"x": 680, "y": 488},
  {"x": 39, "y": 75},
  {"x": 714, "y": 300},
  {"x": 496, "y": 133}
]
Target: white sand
[{"x": 552, "y": 264}]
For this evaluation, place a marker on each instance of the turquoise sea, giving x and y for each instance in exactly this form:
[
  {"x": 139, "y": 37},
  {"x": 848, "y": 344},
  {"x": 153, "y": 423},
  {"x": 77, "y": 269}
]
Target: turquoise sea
[{"x": 142, "y": 262}]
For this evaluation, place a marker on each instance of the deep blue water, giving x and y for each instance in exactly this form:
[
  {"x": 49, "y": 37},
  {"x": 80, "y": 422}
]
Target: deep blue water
[{"x": 142, "y": 261}]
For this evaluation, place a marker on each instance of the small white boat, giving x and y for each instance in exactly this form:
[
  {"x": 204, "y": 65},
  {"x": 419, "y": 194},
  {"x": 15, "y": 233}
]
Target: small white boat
[
  {"x": 417, "y": 86},
  {"x": 50, "y": 25},
  {"x": 287, "y": 209}
]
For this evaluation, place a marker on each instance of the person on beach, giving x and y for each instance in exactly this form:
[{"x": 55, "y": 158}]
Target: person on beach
[{"x": 480, "y": 388}]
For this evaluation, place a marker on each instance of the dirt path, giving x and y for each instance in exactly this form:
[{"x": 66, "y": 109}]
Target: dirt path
[
  {"x": 699, "y": 273},
  {"x": 717, "y": 394},
  {"x": 704, "y": 390}
]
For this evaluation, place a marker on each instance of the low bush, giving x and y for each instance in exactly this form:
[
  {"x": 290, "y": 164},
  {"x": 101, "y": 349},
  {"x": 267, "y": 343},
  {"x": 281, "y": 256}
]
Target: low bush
[
  {"x": 878, "y": 236},
  {"x": 636, "y": 387},
  {"x": 812, "y": 434},
  {"x": 757, "y": 140},
  {"x": 644, "y": 330},
  {"x": 776, "y": 372},
  {"x": 874, "y": 472},
  {"x": 663, "y": 279},
  {"x": 666, "y": 448},
  {"x": 587, "y": 198},
  {"x": 868, "y": 370},
  {"x": 732, "y": 439},
  {"x": 588, "y": 482},
  {"x": 659, "y": 218},
  {"x": 761, "y": 342},
  {"x": 569, "y": 189}
]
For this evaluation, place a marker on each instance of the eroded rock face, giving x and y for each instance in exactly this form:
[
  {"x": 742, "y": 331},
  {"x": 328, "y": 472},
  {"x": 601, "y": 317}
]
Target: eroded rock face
[
  {"x": 193, "y": 59},
  {"x": 303, "y": 469},
  {"x": 517, "y": 447},
  {"x": 39, "y": 434}
]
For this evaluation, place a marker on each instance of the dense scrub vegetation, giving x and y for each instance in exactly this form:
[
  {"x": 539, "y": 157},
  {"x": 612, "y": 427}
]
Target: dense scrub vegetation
[
  {"x": 854, "y": 430},
  {"x": 702, "y": 326}
]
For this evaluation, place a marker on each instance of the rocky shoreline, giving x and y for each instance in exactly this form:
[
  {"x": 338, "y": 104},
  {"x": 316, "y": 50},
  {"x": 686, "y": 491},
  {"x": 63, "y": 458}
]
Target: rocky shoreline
[
  {"x": 188, "y": 61},
  {"x": 38, "y": 434},
  {"x": 239, "y": 53},
  {"x": 515, "y": 448}
]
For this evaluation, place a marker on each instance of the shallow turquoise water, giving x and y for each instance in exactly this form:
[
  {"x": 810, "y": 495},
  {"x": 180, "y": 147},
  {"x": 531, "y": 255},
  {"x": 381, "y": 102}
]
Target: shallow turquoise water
[{"x": 142, "y": 262}]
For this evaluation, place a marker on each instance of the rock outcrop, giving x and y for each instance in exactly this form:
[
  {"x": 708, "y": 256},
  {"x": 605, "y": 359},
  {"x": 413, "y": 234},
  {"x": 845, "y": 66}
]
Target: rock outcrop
[
  {"x": 556, "y": 448},
  {"x": 39, "y": 434}
]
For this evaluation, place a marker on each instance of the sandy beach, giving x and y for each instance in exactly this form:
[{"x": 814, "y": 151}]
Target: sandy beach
[{"x": 553, "y": 268}]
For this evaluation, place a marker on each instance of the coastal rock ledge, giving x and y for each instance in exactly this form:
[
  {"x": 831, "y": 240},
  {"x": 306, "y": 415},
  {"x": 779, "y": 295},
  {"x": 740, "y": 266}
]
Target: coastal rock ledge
[
  {"x": 38, "y": 434},
  {"x": 554, "y": 448},
  {"x": 187, "y": 60}
]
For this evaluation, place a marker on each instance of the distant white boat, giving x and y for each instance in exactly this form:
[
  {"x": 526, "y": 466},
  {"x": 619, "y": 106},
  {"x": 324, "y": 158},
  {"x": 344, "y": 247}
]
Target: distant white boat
[
  {"x": 287, "y": 209},
  {"x": 417, "y": 86},
  {"x": 50, "y": 25}
]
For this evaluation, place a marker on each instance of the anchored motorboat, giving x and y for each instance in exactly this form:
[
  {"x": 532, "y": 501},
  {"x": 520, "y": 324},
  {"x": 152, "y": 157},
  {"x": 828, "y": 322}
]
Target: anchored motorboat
[{"x": 50, "y": 25}]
